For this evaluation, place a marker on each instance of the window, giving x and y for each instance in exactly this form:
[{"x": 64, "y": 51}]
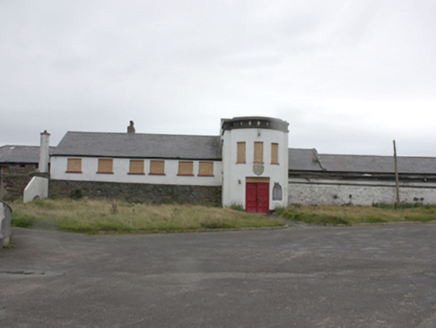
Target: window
[
  {"x": 274, "y": 153},
  {"x": 186, "y": 168},
  {"x": 157, "y": 167},
  {"x": 136, "y": 167},
  {"x": 241, "y": 153},
  {"x": 105, "y": 166},
  {"x": 4, "y": 169},
  {"x": 258, "y": 152},
  {"x": 74, "y": 165},
  {"x": 205, "y": 169}
]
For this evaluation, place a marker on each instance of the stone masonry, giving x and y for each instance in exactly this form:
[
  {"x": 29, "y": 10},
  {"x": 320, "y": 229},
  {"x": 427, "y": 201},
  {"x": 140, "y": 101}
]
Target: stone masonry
[{"x": 137, "y": 192}]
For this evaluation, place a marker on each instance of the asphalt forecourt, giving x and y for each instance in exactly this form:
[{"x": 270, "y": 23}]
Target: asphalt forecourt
[{"x": 364, "y": 276}]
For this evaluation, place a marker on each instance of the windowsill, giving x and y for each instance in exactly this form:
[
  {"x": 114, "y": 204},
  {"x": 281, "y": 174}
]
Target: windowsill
[
  {"x": 185, "y": 175},
  {"x": 275, "y": 164},
  {"x": 105, "y": 172},
  {"x": 241, "y": 162},
  {"x": 156, "y": 174},
  {"x": 131, "y": 173},
  {"x": 78, "y": 172},
  {"x": 205, "y": 175}
]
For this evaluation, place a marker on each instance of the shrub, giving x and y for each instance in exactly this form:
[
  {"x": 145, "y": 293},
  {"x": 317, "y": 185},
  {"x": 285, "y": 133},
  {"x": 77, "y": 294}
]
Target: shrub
[
  {"x": 76, "y": 194},
  {"x": 237, "y": 207}
]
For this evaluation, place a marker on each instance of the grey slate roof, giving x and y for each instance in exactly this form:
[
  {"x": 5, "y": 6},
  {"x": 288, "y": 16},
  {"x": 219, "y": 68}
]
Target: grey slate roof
[
  {"x": 136, "y": 145},
  {"x": 306, "y": 160},
  {"x": 20, "y": 154},
  {"x": 303, "y": 160},
  {"x": 378, "y": 164}
]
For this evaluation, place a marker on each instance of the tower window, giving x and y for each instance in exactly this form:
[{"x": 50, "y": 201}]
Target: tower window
[
  {"x": 258, "y": 152},
  {"x": 241, "y": 153},
  {"x": 274, "y": 153}
]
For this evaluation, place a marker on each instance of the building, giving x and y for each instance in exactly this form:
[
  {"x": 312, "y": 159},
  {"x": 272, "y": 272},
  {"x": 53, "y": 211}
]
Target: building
[
  {"x": 17, "y": 163},
  {"x": 19, "y": 159},
  {"x": 245, "y": 165},
  {"x": 248, "y": 164},
  {"x": 359, "y": 179}
]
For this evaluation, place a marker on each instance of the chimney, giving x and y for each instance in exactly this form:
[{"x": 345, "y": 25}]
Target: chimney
[
  {"x": 131, "y": 128},
  {"x": 44, "y": 152}
]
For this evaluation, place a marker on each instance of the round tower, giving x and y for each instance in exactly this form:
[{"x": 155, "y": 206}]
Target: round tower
[{"x": 255, "y": 163}]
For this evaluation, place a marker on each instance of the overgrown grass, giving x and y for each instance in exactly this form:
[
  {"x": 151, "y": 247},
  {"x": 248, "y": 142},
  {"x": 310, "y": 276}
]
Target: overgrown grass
[
  {"x": 348, "y": 215},
  {"x": 95, "y": 216}
]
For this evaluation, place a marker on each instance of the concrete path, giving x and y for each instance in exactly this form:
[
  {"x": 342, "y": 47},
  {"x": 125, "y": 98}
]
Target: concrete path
[{"x": 376, "y": 276}]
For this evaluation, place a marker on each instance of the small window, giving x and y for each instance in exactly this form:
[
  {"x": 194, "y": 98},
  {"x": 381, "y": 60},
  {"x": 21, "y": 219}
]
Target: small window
[
  {"x": 74, "y": 165},
  {"x": 157, "y": 167},
  {"x": 205, "y": 169},
  {"x": 274, "y": 153},
  {"x": 186, "y": 168},
  {"x": 136, "y": 167},
  {"x": 241, "y": 153},
  {"x": 258, "y": 152},
  {"x": 4, "y": 169},
  {"x": 105, "y": 166}
]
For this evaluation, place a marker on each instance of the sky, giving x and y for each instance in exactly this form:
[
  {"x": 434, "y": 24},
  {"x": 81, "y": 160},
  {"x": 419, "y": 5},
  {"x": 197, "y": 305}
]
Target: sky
[{"x": 349, "y": 76}]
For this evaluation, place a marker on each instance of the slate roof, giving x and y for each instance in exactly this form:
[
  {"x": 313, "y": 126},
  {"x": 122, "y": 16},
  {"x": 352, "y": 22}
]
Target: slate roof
[
  {"x": 303, "y": 160},
  {"x": 20, "y": 154},
  {"x": 136, "y": 145},
  {"x": 306, "y": 160},
  {"x": 378, "y": 164}
]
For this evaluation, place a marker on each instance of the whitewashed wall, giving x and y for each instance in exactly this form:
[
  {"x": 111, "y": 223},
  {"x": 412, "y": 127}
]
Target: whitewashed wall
[
  {"x": 121, "y": 170},
  {"x": 365, "y": 194},
  {"x": 37, "y": 188},
  {"x": 235, "y": 174}
]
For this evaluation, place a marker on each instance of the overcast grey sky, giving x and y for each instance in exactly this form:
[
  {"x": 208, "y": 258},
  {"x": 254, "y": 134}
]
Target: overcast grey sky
[{"x": 349, "y": 76}]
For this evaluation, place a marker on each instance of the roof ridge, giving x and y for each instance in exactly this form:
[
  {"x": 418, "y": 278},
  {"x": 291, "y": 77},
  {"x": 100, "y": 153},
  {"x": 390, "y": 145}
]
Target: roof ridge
[{"x": 147, "y": 134}]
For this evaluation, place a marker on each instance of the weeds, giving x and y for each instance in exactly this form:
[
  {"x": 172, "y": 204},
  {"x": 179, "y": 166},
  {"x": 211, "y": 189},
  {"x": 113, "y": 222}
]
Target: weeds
[
  {"x": 94, "y": 216},
  {"x": 378, "y": 213}
]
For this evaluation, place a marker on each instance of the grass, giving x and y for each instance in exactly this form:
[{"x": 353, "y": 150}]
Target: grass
[
  {"x": 96, "y": 216},
  {"x": 349, "y": 215}
]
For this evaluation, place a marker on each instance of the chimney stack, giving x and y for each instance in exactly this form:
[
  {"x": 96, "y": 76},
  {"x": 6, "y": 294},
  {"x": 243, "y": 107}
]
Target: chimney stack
[
  {"x": 44, "y": 152},
  {"x": 131, "y": 128}
]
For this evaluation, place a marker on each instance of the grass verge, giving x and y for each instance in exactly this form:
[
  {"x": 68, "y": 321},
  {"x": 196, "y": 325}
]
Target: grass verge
[
  {"x": 349, "y": 215},
  {"x": 96, "y": 216}
]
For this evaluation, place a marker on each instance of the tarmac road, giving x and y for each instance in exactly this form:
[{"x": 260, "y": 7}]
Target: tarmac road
[{"x": 373, "y": 276}]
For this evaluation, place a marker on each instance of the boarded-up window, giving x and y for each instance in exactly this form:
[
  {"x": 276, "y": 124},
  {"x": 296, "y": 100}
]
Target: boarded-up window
[
  {"x": 157, "y": 167},
  {"x": 105, "y": 166},
  {"x": 74, "y": 165},
  {"x": 274, "y": 153},
  {"x": 136, "y": 166},
  {"x": 258, "y": 152},
  {"x": 241, "y": 152},
  {"x": 186, "y": 168},
  {"x": 205, "y": 169}
]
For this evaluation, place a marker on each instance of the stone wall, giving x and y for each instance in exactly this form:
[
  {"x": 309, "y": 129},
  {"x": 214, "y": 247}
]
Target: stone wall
[
  {"x": 358, "y": 194},
  {"x": 150, "y": 193},
  {"x": 12, "y": 185},
  {"x": 5, "y": 223}
]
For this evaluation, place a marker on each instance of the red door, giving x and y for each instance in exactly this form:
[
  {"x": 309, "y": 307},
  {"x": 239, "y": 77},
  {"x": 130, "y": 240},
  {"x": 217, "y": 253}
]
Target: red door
[{"x": 257, "y": 197}]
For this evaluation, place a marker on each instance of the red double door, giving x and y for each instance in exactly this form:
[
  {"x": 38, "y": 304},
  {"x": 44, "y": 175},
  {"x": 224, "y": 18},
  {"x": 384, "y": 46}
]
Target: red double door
[{"x": 257, "y": 197}]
